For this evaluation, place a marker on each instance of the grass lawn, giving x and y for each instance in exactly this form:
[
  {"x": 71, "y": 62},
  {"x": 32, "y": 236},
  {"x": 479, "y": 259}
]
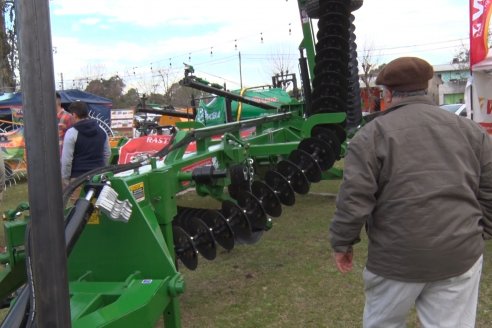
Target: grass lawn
[{"x": 287, "y": 279}]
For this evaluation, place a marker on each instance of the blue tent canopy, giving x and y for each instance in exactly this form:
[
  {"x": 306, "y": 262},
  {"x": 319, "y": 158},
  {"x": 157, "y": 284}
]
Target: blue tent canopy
[
  {"x": 16, "y": 99},
  {"x": 98, "y": 106}
]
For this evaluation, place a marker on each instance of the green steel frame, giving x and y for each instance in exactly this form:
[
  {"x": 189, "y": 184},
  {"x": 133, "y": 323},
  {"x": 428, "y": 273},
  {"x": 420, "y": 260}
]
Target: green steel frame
[{"x": 125, "y": 274}]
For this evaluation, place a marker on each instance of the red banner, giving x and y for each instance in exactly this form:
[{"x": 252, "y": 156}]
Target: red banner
[
  {"x": 143, "y": 145},
  {"x": 480, "y": 11}
]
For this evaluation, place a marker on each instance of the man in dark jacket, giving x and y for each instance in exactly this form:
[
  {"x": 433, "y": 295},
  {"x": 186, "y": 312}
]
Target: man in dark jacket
[
  {"x": 420, "y": 179},
  {"x": 85, "y": 146}
]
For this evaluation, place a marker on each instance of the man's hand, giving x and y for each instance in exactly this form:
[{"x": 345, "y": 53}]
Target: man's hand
[{"x": 343, "y": 261}]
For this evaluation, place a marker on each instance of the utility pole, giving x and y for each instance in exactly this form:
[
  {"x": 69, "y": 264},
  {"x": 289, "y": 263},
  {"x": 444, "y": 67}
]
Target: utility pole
[
  {"x": 240, "y": 71},
  {"x": 61, "y": 83},
  {"x": 47, "y": 251}
]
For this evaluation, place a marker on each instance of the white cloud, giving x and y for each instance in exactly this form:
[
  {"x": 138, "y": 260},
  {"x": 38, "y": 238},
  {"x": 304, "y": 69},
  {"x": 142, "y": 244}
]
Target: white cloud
[
  {"x": 393, "y": 28},
  {"x": 90, "y": 21},
  {"x": 396, "y": 24},
  {"x": 183, "y": 12}
]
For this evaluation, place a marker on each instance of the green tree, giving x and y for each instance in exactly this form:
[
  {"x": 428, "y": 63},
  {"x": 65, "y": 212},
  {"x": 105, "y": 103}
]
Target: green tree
[
  {"x": 461, "y": 60},
  {"x": 131, "y": 98},
  {"x": 111, "y": 88},
  {"x": 9, "y": 62},
  {"x": 180, "y": 96},
  {"x": 157, "y": 98}
]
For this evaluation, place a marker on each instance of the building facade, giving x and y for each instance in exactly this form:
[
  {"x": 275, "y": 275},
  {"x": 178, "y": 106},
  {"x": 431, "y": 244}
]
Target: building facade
[{"x": 450, "y": 81}]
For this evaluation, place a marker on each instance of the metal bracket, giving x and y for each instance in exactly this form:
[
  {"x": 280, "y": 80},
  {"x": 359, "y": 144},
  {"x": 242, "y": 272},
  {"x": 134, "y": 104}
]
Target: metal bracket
[{"x": 108, "y": 203}]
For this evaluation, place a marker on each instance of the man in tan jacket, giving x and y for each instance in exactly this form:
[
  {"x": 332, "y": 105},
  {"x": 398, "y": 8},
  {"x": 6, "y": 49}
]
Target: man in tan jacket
[{"x": 420, "y": 179}]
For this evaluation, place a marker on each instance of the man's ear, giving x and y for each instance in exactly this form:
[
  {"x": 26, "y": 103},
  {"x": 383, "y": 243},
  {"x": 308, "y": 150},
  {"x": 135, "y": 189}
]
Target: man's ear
[{"x": 387, "y": 96}]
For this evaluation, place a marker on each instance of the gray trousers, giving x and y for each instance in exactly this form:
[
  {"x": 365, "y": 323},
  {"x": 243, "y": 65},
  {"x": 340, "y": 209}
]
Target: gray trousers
[{"x": 445, "y": 303}]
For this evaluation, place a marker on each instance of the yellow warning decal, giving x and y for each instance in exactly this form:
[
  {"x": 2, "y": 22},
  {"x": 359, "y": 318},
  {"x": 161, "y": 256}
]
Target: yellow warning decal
[
  {"x": 94, "y": 218},
  {"x": 138, "y": 191}
]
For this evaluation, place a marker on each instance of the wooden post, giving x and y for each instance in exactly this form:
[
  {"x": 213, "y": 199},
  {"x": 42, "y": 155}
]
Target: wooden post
[{"x": 47, "y": 251}]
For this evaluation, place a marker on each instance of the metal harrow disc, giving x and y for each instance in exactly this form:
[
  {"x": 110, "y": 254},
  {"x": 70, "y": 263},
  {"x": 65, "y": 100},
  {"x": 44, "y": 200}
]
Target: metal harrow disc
[
  {"x": 237, "y": 219},
  {"x": 335, "y": 19},
  {"x": 329, "y": 104},
  {"x": 320, "y": 150},
  {"x": 329, "y": 136},
  {"x": 256, "y": 214},
  {"x": 202, "y": 237},
  {"x": 330, "y": 67},
  {"x": 222, "y": 230},
  {"x": 281, "y": 186},
  {"x": 253, "y": 209},
  {"x": 307, "y": 163},
  {"x": 184, "y": 213},
  {"x": 267, "y": 197},
  {"x": 184, "y": 248},
  {"x": 328, "y": 29},
  {"x": 294, "y": 175},
  {"x": 339, "y": 131}
]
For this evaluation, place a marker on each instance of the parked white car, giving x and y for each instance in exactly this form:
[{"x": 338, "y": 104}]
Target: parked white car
[{"x": 458, "y": 109}]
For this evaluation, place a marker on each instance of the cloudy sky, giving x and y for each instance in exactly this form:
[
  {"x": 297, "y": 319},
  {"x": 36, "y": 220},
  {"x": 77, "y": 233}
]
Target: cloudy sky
[{"x": 146, "y": 42}]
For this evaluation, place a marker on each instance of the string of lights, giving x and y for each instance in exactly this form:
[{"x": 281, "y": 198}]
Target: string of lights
[{"x": 172, "y": 66}]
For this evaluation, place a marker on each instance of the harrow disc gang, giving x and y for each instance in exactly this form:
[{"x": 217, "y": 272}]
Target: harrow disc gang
[
  {"x": 253, "y": 209},
  {"x": 202, "y": 237},
  {"x": 320, "y": 150},
  {"x": 307, "y": 163},
  {"x": 267, "y": 197},
  {"x": 329, "y": 136},
  {"x": 237, "y": 219},
  {"x": 222, "y": 230},
  {"x": 294, "y": 175},
  {"x": 281, "y": 186},
  {"x": 185, "y": 248}
]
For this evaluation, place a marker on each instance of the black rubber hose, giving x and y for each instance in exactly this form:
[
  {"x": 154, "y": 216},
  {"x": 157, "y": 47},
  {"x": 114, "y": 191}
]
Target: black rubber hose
[
  {"x": 17, "y": 314},
  {"x": 76, "y": 221}
]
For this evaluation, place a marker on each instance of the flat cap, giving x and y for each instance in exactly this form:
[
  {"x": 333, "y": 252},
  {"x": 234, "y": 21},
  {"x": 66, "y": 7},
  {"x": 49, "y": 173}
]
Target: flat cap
[{"x": 406, "y": 74}]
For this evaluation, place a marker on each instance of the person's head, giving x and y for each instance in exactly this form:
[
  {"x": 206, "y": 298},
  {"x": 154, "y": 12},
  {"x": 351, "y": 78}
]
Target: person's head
[
  {"x": 79, "y": 110},
  {"x": 404, "y": 77}
]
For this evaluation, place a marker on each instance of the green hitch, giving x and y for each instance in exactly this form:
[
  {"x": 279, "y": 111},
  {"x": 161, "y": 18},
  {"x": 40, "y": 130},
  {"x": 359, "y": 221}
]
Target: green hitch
[
  {"x": 11, "y": 215},
  {"x": 176, "y": 285}
]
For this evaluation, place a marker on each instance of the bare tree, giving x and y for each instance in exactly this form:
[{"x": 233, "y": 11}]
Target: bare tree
[
  {"x": 168, "y": 77},
  {"x": 8, "y": 47},
  {"x": 281, "y": 63},
  {"x": 370, "y": 69},
  {"x": 461, "y": 59}
]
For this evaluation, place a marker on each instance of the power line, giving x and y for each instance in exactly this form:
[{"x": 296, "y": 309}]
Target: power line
[
  {"x": 421, "y": 44},
  {"x": 131, "y": 74}
]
